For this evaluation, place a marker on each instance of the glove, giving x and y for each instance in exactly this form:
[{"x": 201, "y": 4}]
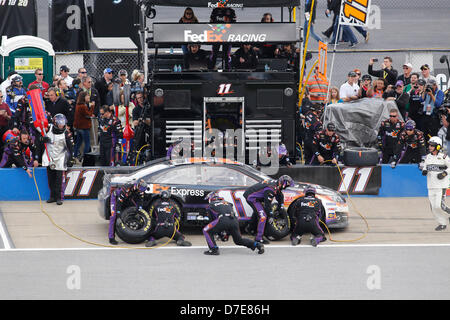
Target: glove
[
  {"x": 70, "y": 162},
  {"x": 424, "y": 172},
  {"x": 393, "y": 164},
  {"x": 442, "y": 175}
]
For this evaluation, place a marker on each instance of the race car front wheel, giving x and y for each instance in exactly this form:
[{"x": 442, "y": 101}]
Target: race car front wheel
[
  {"x": 278, "y": 225},
  {"x": 133, "y": 225}
]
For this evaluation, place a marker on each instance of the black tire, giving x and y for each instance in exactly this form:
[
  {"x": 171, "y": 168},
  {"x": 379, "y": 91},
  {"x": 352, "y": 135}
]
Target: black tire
[
  {"x": 278, "y": 225},
  {"x": 361, "y": 157},
  {"x": 133, "y": 226}
]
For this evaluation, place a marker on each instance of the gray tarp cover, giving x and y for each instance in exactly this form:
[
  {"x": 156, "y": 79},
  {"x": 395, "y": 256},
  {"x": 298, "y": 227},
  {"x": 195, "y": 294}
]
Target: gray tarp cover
[{"x": 358, "y": 122}]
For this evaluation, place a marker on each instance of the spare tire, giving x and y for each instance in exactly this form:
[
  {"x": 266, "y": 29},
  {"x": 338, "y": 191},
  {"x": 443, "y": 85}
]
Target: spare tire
[
  {"x": 361, "y": 157},
  {"x": 133, "y": 225},
  {"x": 278, "y": 225}
]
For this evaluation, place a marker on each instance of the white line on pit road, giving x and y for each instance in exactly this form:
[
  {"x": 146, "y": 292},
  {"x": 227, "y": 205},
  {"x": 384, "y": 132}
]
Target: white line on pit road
[{"x": 268, "y": 247}]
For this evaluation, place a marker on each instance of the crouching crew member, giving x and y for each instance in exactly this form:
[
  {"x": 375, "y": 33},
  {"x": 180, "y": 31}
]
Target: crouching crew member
[
  {"x": 411, "y": 145},
  {"x": 437, "y": 167},
  {"x": 21, "y": 153},
  {"x": 260, "y": 197},
  {"x": 127, "y": 194},
  {"x": 165, "y": 213},
  {"x": 307, "y": 213},
  {"x": 224, "y": 220},
  {"x": 57, "y": 156},
  {"x": 326, "y": 146}
]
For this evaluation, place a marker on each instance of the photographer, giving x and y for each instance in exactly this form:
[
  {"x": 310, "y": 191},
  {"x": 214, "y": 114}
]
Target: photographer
[
  {"x": 387, "y": 73},
  {"x": 445, "y": 118},
  {"x": 415, "y": 110},
  {"x": 432, "y": 99}
]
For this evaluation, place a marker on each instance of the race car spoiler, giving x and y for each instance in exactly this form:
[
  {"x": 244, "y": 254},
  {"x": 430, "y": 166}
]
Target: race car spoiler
[
  {"x": 225, "y": 3},
  {"x": 211, "y": 33}
]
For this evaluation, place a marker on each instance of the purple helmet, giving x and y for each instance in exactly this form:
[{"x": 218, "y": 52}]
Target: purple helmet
[
  {"x": 310, "y": 190},
  {"x": 213, "y": 196},
  {"x": 285, "y": 181},
  {"x": 410, "y": 125},
  {"x": 142, "y": 185}
]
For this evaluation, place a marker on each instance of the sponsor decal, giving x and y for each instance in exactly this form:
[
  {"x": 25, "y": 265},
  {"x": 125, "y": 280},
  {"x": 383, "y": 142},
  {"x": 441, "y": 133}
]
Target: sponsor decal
[
  {"x": 224, "y": 4},
  {"x": 221, "y": 33}
]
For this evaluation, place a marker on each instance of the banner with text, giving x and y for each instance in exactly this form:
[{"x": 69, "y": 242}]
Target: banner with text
[
  {"x": 18, "y": 18},
  {"x": 355, "y": 12},
  {"x": 218, "y": 33},
  {"x": 68, "y": 25}
]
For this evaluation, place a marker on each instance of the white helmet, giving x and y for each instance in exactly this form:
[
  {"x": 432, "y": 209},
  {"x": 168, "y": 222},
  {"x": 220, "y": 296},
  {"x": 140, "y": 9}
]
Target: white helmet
[{"x": 436, "y": 142}]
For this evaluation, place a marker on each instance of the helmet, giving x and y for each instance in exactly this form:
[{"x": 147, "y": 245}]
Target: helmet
[
  {"x": 16, "y": 78},
  {"x": 213, "y": 196},
  {"x": 331, "y": 126},
  {"x": 285, "y": 181},
  {"x": 310, "y": 190},
  {"x": 142, "y": 185},
  {"x": 59, "y": 120},
  {"x": 165, "y": 194},
  {"x": 436, "y": 142},
  {"x": 410, "y": 125}
]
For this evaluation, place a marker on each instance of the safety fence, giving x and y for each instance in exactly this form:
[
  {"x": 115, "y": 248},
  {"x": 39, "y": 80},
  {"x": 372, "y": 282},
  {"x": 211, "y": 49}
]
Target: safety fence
[{"x": 97, "y": 61}]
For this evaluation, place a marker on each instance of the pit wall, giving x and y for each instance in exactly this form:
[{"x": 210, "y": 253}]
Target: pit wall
[{"x": 85, "y": 183}]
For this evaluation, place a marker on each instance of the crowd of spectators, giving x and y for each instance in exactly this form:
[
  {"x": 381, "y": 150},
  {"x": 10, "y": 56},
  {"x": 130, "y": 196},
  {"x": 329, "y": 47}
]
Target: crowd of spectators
[
  {"x": 417, "y": 97},
  {"x": 82, "y": 102}
]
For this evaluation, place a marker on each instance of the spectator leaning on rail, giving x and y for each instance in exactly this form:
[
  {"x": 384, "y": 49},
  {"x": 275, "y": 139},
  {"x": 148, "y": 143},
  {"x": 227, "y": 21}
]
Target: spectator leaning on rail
[
  {"x": 366, "y": 89},
  {"x": 387, "y": 72}
]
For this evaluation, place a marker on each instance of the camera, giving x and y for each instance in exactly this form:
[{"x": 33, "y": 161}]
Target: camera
[
  {"x": 443, "y": 111},
  {"x": 375, "y": 60},
  {"x": 429, "y": 88}
]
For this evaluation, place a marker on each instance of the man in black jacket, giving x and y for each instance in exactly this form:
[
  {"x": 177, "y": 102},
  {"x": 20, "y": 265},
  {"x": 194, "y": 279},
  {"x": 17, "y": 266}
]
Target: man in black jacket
[
  {"x": 196, "y": 58},
  {"x": 396, "y": 94},
  {"x": 57, "y": 104},
  {"x": 387, "y": 72},
  {"x": 245, "y": 58},
  {"x": 102, "y": 85}
]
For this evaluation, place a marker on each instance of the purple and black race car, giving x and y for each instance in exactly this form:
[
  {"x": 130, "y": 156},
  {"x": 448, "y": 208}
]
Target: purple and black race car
[{"x": 190, "y": 180}]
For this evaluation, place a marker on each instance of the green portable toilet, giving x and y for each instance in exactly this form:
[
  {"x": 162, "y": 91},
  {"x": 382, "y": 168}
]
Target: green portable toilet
[{"x": 25, "y": 54}]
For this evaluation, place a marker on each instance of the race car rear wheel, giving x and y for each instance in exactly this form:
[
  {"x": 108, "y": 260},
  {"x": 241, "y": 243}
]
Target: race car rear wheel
[
  {"x": 278, "y": 225},
  {"x": 133, "y": 225}
]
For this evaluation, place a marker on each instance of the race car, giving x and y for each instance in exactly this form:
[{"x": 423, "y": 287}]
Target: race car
[{"x": 190, "y": 180}]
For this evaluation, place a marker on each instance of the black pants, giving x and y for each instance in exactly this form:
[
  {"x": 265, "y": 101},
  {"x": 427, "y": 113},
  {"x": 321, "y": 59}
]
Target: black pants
[
  {"x": 226, "y": 50},
  {"x": 388, "y": 152},
  {"x": 308, "y": 224},
  {"x": 55, "y": 181},
  {"x": 410, "y": 156},
  {"x": 166, "y": 231},
  {"x": 229, "y": 225},
  {"x": 106, "y": 154}
]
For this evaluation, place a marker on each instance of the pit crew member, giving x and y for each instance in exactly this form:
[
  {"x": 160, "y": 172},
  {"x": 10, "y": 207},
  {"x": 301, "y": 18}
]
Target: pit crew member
[
  {"x": 225, "y": 222},
  {"x": 326, "y": 146},
  {"x": 307, "y": 213},
  {"x": 164, "y": 214}
]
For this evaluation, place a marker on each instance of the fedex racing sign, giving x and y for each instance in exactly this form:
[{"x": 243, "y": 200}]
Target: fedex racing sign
[{"x": 226, "y": 32}]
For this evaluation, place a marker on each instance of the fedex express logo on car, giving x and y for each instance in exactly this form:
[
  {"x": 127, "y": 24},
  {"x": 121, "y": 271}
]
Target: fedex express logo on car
[{"x": 220, "y": 33}]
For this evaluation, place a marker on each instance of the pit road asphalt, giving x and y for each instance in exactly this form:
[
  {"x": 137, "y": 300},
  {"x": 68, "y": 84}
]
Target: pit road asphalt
[{"x": 402, "y": 257}]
